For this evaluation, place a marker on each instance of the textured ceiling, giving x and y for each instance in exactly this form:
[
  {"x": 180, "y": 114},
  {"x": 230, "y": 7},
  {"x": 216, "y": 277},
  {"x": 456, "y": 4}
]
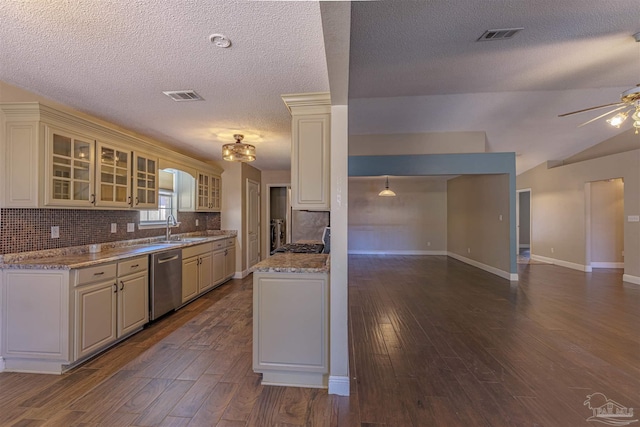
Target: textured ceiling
[
  {"x": 416, "y": 67},
  {"x": 113, "y": 59}
]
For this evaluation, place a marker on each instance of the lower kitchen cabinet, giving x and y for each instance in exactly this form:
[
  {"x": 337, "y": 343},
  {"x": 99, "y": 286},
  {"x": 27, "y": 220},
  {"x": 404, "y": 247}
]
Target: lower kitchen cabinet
[
  {"x": 197, "y": 274},
  {"x": 111, "y": 308},
  {"x": 230, "y": 258},
  {"x": 96, "y": 320},
  {"x": 290, "y": 328},
  {"x": 53, "y": 319}
]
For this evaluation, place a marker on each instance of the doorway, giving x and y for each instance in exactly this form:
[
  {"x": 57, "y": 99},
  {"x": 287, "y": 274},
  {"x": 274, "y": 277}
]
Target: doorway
[
  {"x": 278, "y": 211},
  {"x": 523, "y": 225},
  {"x": 605, "y": 224}
]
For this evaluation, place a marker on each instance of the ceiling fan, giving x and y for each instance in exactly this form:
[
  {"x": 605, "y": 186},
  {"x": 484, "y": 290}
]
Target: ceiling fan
[{"x": 629, "y": 104}]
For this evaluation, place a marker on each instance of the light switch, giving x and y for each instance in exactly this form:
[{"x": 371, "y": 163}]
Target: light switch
[
  {"x": 131, "y": 227},
  {"x": 633, "y": 218},
  {"x": 197, "y": 222},
  {"x": 55, "y": 232},
  {"x": 114, "y": 227}
]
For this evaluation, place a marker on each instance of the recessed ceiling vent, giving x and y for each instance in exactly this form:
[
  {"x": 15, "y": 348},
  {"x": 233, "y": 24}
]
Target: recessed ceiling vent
[
  {"x": 500, "y": 34},
  {"x": 183, "y": 95}
]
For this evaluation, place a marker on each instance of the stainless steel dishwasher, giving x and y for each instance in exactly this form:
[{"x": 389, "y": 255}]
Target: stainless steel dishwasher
[{"x": 165, "y": 290}]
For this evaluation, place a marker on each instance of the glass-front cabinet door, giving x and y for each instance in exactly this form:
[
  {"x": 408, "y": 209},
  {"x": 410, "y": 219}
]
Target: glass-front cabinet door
[
  {"x": 204, "y": 192},
  {"x": 113, "y": 176},
  {"x": 145, "y": 181},
  {"x": 215, "y": 193},
  {"x": 70, "y": 169}
]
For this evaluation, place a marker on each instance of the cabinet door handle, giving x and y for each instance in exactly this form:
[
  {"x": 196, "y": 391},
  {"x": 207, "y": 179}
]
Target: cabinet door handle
[
  {"x": 99, "y": 273},
  {"x": 137, "y": 201},
  {"x": 121, "y": 285},
  {"x": 226, "y": 252},
  {"x": 93, "y": 199},
  {"x": 135, "y": 265},
  {"x": 129, "y": 201},
  {"x": 115, "y": 288}
]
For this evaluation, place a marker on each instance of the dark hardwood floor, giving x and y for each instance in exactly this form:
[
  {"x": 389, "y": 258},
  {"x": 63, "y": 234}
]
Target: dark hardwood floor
[{"x": 433, "y": 342}]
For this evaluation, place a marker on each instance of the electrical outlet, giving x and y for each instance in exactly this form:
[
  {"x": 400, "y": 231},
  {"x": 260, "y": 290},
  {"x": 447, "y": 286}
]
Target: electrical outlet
[
  {"x": 131, "y": 227},
  {"x": 114, "y": 227},
  {"x": 468, "y": 250},
  {"x": 551, "y": 250},
  {"x": 500, "y": 217},
  {"x": 633, "y": 218},
  {"x": 55, "y": 232},
  {"x": 428, "y": 243}
]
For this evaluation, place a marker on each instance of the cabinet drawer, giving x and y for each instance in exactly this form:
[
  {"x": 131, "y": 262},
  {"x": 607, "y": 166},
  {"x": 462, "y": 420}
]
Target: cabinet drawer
[
  {"x": 218, "y": 244},
  {"x": 196, "y": 250},
  {"x": 99, "y": 272},
  {"x": 231, "y": 241},
  {"x": 133, "y": 266}
]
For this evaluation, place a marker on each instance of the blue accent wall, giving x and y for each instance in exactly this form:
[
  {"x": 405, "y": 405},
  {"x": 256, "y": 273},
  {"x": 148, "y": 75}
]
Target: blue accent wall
[{"x": 446, "y": 164}]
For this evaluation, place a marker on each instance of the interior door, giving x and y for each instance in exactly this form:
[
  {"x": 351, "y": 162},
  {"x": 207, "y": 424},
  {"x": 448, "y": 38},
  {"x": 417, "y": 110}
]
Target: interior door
[{"x": 253, "y": 223}]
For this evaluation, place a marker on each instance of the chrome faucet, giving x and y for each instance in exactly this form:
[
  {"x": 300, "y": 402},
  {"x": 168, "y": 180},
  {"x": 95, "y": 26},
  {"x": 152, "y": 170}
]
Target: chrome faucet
[{"x": 171, "y": 222}]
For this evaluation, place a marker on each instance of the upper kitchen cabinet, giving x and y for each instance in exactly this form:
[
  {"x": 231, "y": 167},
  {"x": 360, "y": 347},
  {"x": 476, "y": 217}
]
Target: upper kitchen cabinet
[
  {"x": 201, "y": 194},
  {"x": 145, "y": 181},
  {"x": 310, "y": 150},
  {"x": 55, "y": 159}
]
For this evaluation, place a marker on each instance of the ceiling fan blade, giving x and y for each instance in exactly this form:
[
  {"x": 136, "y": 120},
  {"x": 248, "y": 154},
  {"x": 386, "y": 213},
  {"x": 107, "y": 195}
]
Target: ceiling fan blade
[
  {"x": 592, "y": 108},
  {"x": 603, "y": 115}
]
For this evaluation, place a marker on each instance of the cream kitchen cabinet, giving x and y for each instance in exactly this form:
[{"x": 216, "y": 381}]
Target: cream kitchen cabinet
[
  {"x": 310, "y": 150},
  {"x": 208, "y": 192},
  {"x": 202, "y": 194},
  {"x": 230, "y": 258},
  {"x": 224, "y": 260},
  {"x": 112, "y": 301},
  {"x": 197, "y": 270},
  {"x": 53, "y": 159},
  {"x": 290, "y": 328},
  {"x": 53, "y": 319}
]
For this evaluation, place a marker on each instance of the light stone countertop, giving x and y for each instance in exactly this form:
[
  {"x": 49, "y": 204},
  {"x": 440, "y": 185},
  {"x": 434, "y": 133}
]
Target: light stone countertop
[
  {"x": 79, "y": 256},
  {"x": 294, "y": 263}
]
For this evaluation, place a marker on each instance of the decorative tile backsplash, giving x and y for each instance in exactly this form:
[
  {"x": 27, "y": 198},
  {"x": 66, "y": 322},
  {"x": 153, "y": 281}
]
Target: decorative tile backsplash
[{"x": 23, "y": 230}]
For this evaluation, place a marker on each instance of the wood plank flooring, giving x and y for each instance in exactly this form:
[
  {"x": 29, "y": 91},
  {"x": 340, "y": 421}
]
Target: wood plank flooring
[{"x": 433, "y": 342}]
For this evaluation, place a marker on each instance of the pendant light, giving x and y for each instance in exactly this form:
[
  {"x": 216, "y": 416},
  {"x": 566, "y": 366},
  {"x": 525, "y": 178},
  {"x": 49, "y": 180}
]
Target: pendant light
[
  {"x": 239, "y": 151},
  {"x": 386, "y": 192}
]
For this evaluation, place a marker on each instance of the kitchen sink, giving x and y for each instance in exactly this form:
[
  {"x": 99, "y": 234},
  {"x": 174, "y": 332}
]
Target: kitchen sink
[{"x": 192, "y": 239}]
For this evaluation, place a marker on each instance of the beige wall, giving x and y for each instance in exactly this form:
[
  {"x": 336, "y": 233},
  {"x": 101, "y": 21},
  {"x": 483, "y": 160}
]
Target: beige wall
[
  {"x": 607, "y": 221},
  {"x": 269, "y": 177},
  {"x": 558, "y": 202},
  {"x": 415, "y": 221},
  {"x": 474, "y": 228}
]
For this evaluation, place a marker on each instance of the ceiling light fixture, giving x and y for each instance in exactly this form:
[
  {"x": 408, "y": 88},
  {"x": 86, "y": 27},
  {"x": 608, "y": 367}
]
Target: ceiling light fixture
[
  {"x": 238, "y": 151},
  {"x": 386, "y": 192},
  {"x": 618, "y": 119}
]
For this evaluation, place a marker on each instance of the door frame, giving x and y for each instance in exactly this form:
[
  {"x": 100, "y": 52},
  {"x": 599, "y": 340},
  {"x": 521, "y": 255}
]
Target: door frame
[
  {"x": 247, "y": 216},
  {"x": 266, "y": 234},
  {"x": 524, "y": 190}
]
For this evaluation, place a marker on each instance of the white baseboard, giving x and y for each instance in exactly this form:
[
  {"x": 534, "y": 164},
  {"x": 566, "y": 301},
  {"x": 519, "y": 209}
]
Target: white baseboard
[
  {"x": 1, "y": 364},
  {"x": 561, "y": 263},
  {"x": 631, "y": 279},
  {"x": 241, "y": 274},
  {"x": 339, "y": 385},
  {"x": 607, "y": 265},
  {"x": 394, "y": 252},
  {"x": 504, "y": 274}
]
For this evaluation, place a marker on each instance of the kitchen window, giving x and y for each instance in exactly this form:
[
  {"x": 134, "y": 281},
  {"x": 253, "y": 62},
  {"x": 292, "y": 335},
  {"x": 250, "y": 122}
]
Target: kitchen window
[
  {"x": 167, "y": 204},
  {"x": 166, "y": 207}
]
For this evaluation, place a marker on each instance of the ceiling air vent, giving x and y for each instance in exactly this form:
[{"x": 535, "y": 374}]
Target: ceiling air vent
[
  {"x": 501, "y": 34},
  {"x": 183, "y": 95}
]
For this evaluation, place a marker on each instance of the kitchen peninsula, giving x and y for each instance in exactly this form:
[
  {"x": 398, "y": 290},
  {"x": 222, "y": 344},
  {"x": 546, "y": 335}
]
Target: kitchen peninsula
[{"x": 291, "y": 320}]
